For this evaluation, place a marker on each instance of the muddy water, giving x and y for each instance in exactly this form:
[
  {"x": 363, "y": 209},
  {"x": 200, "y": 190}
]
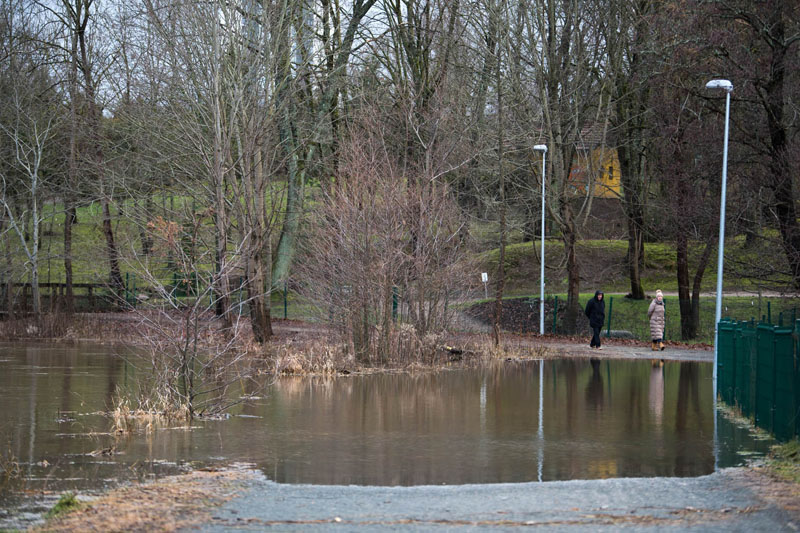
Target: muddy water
[{"x": 540, "y": 421}]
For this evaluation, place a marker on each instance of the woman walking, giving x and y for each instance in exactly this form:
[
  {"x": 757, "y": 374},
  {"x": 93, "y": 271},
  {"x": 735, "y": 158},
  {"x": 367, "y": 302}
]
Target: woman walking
[
  {"x": 596, "y": 311},
  {"x": 657, "y": 315}
]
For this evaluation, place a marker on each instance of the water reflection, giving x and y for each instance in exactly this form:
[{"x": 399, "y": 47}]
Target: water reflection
[{"x": 567, "y": 419}]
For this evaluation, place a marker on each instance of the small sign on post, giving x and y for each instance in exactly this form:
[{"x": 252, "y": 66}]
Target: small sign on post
[{"x": 485, "y": 280}]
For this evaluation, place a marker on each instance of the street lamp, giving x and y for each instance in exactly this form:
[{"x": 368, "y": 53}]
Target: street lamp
[
  {"x": 727, "y": 86},
  {"x": 542, "y": 148}
]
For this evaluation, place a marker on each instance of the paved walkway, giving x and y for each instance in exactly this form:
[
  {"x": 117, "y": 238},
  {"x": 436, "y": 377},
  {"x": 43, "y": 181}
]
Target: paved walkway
[
  {"x": 728, "y": 500},
  {"x": 616, "y": 350}
]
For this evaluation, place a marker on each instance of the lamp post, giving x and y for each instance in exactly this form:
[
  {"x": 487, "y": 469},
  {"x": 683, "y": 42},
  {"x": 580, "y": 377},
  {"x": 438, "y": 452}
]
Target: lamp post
[
  {"x": 542, "y": 148},
  {"x": 727, "y": 86}
]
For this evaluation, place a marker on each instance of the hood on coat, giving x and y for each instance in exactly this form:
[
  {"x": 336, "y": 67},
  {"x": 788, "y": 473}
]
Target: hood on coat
[{"x": 597, "y": 293}]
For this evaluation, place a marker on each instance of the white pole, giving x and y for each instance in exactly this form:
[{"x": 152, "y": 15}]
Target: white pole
[
  {"x": 542, "y": 148},
  {"x": 728, "y": 87},
  {"x": 541, "y": 275}
]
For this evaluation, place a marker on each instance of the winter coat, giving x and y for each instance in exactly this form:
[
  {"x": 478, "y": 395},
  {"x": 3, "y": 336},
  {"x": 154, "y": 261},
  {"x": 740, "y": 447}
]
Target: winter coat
[
  {"x": 657, "y": 315},
  {"x": 596, "y": 311}
]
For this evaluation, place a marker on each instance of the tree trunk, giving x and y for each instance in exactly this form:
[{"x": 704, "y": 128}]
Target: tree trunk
[
  {"x": 34, "y": 257},
  {"x": 327, "y": 112},
  {"x": 260, "y": 319},
  {"x": 69, "y": 220},
  {"x": 688, "y": 330},
  {"x": 698, "y": 279},
  {"x": 569, "y": 236},
  {"x": 72, "y": 173},
  {"x": 257, "y": 290},
  {"x": 111, "y": 247},
  {"x": 9, "y": 280},
  {"x": 295, "y": 179},
  {"x": 782, "y": 184},
  {"x": 287, "y": 242},
  {"x": 634, "y": 218},
  {"x": 501, "y": 272},
  {"x": 221, "y": 281},
  {"x": 81, "y": 20}
]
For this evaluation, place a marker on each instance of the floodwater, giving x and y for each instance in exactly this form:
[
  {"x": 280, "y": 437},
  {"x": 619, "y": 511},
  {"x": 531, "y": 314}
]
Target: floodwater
[{"x": 535, "y": 421}]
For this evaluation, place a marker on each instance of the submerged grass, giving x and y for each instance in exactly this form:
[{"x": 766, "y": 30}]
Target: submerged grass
[
  {"x": 66, "y": 504},
  {"x": 150, "y": 414}
]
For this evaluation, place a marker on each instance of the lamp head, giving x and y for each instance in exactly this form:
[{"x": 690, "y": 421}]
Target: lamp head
[
  {"x": 720, "y": 84},
  {"x": 540, "y": 148}
]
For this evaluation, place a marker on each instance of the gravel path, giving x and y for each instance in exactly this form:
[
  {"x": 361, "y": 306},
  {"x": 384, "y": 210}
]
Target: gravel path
[
  {"x": 729, "y": 500},
  {"x": 610, "y": 350}
]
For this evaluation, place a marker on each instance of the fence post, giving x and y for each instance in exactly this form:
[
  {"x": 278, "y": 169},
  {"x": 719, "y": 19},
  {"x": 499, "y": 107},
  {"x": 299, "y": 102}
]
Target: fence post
[
  {"x": 285, "y": 300},
  {"x": 796, "y": 353},
  {"x": 784, "y": 393},
  {"x": 610, "y": 308},
  {"x": 769, "y": 313},
  {"x": 774, "y": 382},
  {"x": 726, "y": 343},
  {"x": 395, "y": 293}
]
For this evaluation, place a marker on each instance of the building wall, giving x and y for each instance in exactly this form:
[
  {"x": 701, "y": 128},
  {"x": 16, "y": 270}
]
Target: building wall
[{"x": 602, "y": 166}]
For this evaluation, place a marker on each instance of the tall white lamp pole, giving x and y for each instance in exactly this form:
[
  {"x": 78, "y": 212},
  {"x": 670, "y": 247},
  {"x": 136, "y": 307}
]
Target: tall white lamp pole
[
  {"x": 542, "y": 148},
  {"x": 727, "y": 86}
]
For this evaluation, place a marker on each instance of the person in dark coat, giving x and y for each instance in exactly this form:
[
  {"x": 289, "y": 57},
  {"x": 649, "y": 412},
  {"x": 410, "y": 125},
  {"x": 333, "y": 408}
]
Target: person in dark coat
[{"x": 596, "y": 312}]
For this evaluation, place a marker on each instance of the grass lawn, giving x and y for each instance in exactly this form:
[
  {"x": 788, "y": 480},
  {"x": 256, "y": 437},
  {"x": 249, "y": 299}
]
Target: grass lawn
[{"x": 602, "y": 265}]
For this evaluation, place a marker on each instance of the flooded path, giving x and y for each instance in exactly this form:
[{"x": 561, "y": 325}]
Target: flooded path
[{"x": 515, "y": 423}]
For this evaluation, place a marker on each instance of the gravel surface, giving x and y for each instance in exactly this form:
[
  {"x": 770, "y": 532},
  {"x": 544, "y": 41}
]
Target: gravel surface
[
  {"x": 729, "y": 500},
  {"x": 617, "y": 350}
]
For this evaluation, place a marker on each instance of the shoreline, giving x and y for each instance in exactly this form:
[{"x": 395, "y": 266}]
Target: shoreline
[
  {"x": 240, "y": 497},
  {"x": 293, "y": 340}
]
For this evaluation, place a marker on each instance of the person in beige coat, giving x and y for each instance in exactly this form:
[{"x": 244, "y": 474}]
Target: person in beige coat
[{"x": 657, "y": 315}]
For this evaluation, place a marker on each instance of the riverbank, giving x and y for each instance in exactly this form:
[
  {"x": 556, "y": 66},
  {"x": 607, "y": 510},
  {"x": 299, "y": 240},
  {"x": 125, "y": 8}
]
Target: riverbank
[
  {"x": 299, "y": 347},
  {"x": 735, "y": 499}
]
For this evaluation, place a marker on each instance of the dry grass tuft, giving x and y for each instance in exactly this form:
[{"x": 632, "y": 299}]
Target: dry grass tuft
[
  {"x": 169, "y": 504},
  {"x": 309, "y": 357},
  {"x": 151, "y": 414},
  {"x": 9, "y": 467}
]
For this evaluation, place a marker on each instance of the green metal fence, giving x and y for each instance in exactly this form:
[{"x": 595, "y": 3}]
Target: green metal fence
[{"x": 758, "y": 370}]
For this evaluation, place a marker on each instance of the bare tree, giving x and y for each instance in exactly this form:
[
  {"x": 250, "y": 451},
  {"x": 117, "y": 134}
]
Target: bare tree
[
  {"x": 223, "y": 97},
  {"x": 760, "y": 43},
  {"x": 565, "y": 54},
  {"x": 31, "y": 136},
  {"x": 79, "y": 19},
  {"x": 385, "y": 245},
  {"x": 192, "y": 364},
  {"x": 303, "y": 144},
  {"x": 631, "y": 41},
  {"x": 29, "y": 125}
]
